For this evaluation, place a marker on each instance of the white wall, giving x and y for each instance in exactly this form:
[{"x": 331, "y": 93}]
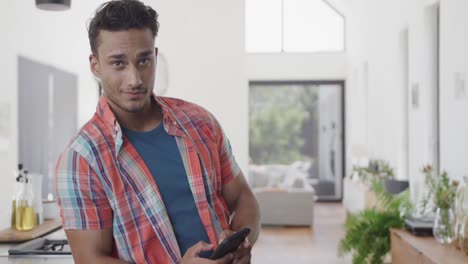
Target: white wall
[
  {"x": 454, "y": 125},
  {"x": 5, "y": 119},
  {"x": 203, "y": 43},
  {"x": 422, "y": 137},
  {"x": 376, "y": 94},
  {"x": 296, "y": 66}
]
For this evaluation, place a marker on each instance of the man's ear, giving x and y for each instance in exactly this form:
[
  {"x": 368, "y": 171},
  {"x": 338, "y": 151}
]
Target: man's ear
[{"x": 94, "y": 66}]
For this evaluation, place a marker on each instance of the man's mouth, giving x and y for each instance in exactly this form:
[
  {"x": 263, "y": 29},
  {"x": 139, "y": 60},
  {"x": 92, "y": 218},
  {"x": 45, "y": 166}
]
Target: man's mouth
[{"x": 132, "y": 95}]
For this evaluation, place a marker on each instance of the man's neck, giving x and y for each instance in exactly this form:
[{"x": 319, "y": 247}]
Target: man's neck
[{"x": 145, "y": 120}]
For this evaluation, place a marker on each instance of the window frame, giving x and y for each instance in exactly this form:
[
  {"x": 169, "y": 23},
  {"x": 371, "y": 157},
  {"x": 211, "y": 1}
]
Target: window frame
[{"x": 318, "y": 82}]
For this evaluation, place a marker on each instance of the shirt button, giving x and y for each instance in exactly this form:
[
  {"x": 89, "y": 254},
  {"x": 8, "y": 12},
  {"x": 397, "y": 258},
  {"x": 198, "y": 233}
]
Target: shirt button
[{"x": 174, "y": 123}]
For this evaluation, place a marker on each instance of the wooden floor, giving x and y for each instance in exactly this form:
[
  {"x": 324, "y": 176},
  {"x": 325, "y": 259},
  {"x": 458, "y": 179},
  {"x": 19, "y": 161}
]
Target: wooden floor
[{"x": 302, "y": 245}]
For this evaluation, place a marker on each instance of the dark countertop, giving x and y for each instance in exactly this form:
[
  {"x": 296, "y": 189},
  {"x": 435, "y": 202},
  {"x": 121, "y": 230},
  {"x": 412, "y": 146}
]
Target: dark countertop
[{"x": 5, "y": 258}]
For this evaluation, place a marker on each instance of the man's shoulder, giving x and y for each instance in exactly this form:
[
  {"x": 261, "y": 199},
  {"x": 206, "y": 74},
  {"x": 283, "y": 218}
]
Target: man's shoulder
[
  {"x": 90, "y": 136},
  {"x": 183, "y": 104},
  {"x": 189, "y": 110}
]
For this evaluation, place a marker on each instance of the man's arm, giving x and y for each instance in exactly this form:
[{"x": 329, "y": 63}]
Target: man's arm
[
  {"x": 92, "y": 246},
  {"x": 85, "y": 210},
  {"x": 242, "y": 202},
  {"x": 236, "y": 192}
]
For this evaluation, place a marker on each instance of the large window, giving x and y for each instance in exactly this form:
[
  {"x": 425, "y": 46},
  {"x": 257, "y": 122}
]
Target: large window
[
  {"x": 296, "y": 136},
  {"x": 293, "y": 26}
]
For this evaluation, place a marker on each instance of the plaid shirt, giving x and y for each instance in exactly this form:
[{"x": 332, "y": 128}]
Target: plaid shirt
[{"x": 102, "y": 182}]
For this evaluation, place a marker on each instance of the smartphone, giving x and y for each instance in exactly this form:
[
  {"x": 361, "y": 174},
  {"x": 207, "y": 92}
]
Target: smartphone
[{"x": 231, "y": 243}]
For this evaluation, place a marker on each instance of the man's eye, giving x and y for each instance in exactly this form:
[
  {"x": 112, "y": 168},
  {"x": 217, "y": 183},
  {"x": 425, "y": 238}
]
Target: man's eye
[
  {"x": 144, "y": 61},
  {"x": 117, "y": 63}
]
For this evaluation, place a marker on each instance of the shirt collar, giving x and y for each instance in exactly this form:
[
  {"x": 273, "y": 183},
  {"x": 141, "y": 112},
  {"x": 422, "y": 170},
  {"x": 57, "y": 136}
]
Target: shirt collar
[{"x": 170, "y": 121}]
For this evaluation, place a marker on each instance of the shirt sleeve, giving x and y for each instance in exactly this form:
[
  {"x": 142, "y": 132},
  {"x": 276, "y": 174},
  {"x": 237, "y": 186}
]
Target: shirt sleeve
[
  {"x": 229, "y": 167},
  {"x": 83, "y": 202}
]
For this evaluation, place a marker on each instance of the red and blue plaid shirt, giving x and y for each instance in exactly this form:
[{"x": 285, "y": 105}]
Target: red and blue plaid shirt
[{"x": 102, "y": 182}]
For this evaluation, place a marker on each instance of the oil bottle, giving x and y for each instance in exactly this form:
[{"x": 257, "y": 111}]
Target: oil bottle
[
  {"x": 25, "y": 217},
  {"x": 19, "y": 176}
]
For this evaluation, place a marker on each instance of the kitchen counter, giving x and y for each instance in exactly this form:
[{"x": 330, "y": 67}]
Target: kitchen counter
[{"x": 56, "y": 259}]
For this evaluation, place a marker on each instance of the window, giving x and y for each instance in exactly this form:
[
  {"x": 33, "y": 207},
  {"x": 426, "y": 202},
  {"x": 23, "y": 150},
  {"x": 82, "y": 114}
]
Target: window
[
  {"x": 295, "y": 136},
  {"x": 293, "y": 26}
]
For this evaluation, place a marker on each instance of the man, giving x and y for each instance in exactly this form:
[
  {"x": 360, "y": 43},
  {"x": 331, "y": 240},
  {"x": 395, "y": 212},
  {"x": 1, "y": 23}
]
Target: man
[{"x": 148, "y": 179}]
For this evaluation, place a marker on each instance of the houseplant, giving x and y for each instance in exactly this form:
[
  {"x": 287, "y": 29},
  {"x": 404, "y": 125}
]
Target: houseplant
[
  {"x": 377, "y": 169},
  {"x": 367, "y": 233},
  {"x": 441, "y": 192},
  {"x": 380, "y": 170}
]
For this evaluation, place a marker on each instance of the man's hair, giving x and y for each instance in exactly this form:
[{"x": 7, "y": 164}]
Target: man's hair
[{"x": 118, "y": 15}]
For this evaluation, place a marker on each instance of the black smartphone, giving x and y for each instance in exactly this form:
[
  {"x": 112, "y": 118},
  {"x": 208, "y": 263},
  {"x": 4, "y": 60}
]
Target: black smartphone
[{"x": 231, "y": 243}]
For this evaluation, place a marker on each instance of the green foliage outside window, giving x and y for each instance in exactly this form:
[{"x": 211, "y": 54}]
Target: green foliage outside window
[{"x": 276, "y": 122}]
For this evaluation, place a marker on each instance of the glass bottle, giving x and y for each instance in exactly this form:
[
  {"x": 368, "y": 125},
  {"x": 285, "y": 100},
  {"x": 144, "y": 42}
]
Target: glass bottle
[
  {"x": 25, "y": 218},
  {"x": 19, "y": 176}
]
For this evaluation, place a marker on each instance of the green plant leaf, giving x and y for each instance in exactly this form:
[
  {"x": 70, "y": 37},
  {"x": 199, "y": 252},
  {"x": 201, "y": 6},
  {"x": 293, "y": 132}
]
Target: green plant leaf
[{"x": 367, "y": 233}]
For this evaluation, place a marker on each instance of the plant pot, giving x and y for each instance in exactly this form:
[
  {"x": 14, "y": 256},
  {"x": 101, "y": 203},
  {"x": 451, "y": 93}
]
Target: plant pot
[{"x": 394, "y": 186}]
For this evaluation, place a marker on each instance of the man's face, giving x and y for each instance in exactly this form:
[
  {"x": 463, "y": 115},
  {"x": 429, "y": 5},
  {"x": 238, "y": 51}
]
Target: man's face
[{"x": 126, "y": 62}]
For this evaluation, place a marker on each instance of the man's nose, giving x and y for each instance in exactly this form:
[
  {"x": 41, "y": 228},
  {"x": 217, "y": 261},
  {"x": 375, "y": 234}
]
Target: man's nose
[{"x": 133, "y": 78}]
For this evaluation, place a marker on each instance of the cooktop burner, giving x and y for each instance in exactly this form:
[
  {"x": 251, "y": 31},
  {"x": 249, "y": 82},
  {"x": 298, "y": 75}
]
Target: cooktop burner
[{"x": 42, "y": 246}]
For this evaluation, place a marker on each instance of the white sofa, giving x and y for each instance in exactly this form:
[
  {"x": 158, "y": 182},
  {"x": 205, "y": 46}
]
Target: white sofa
[
  {"x": 284, "y": 195},
  {"x": 286, "y": 207}
]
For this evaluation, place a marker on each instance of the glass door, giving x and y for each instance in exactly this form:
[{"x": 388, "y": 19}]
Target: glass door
[{"x": 296, "y": 136}]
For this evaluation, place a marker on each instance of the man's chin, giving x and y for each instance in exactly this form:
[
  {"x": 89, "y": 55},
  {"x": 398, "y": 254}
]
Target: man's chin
[
  {"x": 134, "y": 108},
  {"x": 131, "y": 107}
]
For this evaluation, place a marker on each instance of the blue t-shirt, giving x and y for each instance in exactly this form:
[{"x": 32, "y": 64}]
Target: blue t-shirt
[{"x": 161, "y": 155}]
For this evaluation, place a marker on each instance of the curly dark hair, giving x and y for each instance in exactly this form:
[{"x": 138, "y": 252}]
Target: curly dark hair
[{"x": 117, "y": 15}]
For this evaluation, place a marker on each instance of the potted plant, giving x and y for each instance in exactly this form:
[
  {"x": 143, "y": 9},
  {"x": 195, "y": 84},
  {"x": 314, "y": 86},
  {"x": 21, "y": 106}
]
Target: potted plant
[
  {"x": 376, "y": 170},
  {"x": 367, "y": 233},
  {"x": 380, "y": 170},
  {"x": 441, "y": 191}
]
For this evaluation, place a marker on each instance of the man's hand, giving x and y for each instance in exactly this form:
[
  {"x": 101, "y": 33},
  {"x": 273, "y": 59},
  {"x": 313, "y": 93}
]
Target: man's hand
[
  {"x": 243, "y": 254},
  {"x": 192, "y": 255}
]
